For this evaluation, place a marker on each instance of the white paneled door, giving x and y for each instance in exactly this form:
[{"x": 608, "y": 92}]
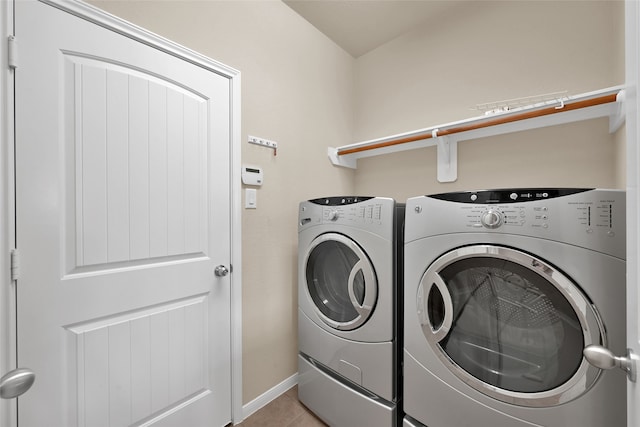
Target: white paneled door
[{"x": 122, "y": 216}]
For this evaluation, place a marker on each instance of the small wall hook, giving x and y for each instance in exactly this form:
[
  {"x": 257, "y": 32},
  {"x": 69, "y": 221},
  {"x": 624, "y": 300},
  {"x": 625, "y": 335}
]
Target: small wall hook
[{"x": 561, "y": 106}]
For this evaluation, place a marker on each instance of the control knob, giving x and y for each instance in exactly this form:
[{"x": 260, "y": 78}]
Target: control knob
[
  {"x": 491, "y": 219},
  {"x": 334, "y": 215}
]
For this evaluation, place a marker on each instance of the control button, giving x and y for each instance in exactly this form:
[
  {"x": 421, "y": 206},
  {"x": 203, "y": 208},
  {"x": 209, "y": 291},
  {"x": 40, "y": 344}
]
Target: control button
[
  {"x": 418, "y": 209},
  {"x": 522, "y": 221},
  {"x": 522, "y": 213},
  {"x": 589, "y": 230},
  {"x": 545, "y": 225},
  {"x": 544, "y": 208},
  {"x": 513, "y": 196},
  {"x": 377, "y": 211},
  {"x": 611, "y": 233},
  {"x": 369, "y": 212},
  {"x": 491, "y": 219},
  {"x": 545, "y": 217},
  {"x": 474, "y": 197},
  {"x": 545, "y": 195},
  {"x": 334, "y": 215}
]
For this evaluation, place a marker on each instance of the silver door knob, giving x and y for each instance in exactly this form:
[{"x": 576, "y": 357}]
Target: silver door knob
[
  {"x": 603, "y": 358},
  {"x": 221, "y": 271},
  {"x": 16, "y": 382}
]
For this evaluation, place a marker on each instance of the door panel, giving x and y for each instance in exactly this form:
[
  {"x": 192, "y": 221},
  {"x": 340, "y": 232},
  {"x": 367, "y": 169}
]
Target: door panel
[
  {"x": 122, "y": 205},
  {"x": 136, "y": 364},
  {"x": 140, "y": 165}
]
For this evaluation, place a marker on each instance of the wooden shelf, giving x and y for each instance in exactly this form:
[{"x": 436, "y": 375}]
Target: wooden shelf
[{"x": 603, "y": 103}]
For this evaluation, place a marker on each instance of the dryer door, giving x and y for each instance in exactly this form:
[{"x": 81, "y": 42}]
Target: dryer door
[
  {"x": 340, "y": 281},
  {"x": 509, "y": 324}
]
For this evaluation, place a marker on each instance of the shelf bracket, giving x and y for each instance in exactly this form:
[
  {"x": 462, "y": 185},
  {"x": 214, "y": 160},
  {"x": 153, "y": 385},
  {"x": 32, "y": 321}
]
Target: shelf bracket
[
  {"x": 347, "y": 161},
  {"x": 617, "y": 118},
  {"x": 447, "y": 152}
]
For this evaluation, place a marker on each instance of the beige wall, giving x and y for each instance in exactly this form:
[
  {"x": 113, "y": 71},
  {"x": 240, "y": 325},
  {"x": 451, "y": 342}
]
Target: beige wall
[
  {"x": 296, "y": 90},
  {"x": 299, "y": 89},
  {"x": 480, "y": 52}
]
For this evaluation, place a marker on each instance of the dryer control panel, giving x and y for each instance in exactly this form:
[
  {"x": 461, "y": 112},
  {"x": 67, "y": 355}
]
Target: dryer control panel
[{"x": 590, "y": 218}]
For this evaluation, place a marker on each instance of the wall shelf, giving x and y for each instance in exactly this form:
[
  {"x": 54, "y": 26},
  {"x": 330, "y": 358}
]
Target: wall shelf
[{"x": 602, "y": 103}]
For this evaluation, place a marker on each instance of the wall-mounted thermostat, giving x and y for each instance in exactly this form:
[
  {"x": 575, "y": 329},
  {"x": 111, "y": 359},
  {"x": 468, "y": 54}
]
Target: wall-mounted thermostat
[{"x": 251, "y": 175}]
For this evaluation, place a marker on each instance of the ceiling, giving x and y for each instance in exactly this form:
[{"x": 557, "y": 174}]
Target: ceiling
[{"x": 359, "y": 26}]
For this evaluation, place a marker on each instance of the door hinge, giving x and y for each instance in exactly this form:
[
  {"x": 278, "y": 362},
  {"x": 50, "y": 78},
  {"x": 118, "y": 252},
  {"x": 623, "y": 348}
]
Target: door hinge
[
  {"x": 12, "y": 52},
  {"x": 15, "y": 265}
]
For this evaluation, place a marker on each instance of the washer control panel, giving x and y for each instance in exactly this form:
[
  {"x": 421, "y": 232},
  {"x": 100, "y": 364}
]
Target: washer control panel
[
  {"x": 586, "y": 217},
  {"x": 350, "y": 209},
  {"x": 364, "y": 212},
  {"x": 500, "y": 215},
  {"x": 371, "y": 213},
  {"x": 591, "y": 215}
]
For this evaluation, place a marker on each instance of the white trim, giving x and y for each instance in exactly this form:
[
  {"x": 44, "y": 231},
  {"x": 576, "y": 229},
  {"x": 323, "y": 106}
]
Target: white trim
[
  {"x": 268, "y": 396},
  {"x": 120, "y": 26},
  {"x": 632, "y": 77},
  {"x": 113, "y": 23},
  {"x": 236, "y": 253}
]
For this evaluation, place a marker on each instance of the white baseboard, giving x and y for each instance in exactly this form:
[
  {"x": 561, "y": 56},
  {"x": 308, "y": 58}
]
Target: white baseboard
[{"x": 268, "y": 396}]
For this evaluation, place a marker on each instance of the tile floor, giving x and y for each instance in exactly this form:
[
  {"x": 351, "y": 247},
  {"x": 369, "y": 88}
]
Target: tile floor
[{"x": 285, "y": 411}]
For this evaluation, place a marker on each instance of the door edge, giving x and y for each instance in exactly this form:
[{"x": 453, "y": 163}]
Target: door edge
[{"x": 8, "y": 408}]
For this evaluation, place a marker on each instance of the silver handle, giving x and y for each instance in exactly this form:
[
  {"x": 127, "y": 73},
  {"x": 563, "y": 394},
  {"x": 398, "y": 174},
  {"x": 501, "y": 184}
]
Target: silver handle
[
  {"x": 16, "y": 382},
  {"x": 369, "y": 295},
  {"x": 221, "y": 271},
  {"x": 443, "y": 329},
  {"x": 351, "y": 284},
  {"x": 603, "y": 358}
]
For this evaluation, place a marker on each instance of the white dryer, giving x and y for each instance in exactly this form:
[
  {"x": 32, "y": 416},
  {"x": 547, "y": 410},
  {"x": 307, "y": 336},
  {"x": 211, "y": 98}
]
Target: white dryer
[
  {"x": 348, "y": 321},
  {"x": 504, "y": 289}
]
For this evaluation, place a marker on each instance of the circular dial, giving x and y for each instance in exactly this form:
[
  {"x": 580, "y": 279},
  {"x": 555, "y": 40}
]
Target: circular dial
[
  {"x": 491, "y": 218},
  {"x": 334, "y": 215}
]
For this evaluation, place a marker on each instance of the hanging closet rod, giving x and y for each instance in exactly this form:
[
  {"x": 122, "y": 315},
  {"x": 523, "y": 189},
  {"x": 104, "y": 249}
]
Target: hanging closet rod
[{"x": 565, "y": 106}]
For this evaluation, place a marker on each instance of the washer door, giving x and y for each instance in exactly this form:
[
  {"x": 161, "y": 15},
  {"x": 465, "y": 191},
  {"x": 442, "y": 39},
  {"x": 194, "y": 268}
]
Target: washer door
[
  {"x": 509, "y": 325},
  {"x": 341, "y": 281}
]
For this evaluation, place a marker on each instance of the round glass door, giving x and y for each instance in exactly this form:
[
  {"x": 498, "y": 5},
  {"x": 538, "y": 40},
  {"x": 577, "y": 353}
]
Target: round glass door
[
  {"x": 340, "y": 281},
  {"x": 509, "y": 325}
]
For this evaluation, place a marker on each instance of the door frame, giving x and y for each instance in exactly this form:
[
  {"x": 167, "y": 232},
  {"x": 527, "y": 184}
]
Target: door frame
[
  {"x": 92, "y": 14},
  {"x": 632, "y": 107}
]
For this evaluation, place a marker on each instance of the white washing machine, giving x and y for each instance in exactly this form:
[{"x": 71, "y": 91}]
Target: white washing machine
[
  {"x": 348, "y": 321},
  {"x": 504, "y": 289}
]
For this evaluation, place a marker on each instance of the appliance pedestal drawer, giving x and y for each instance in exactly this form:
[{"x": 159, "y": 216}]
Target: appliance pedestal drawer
[{"x": 338, "y": 403}]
